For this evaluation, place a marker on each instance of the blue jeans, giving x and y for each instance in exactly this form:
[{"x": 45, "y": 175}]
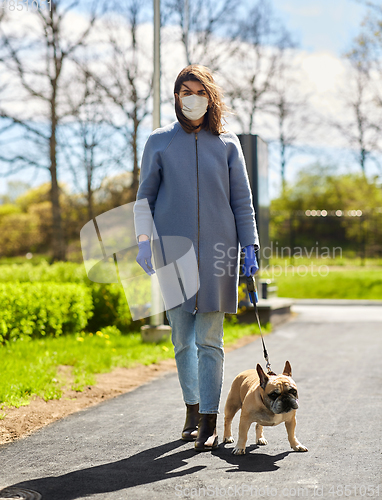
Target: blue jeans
[{"x": 199, "y": 356}]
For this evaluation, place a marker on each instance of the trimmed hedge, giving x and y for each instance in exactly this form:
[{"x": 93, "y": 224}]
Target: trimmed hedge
[
  {"x": 59, "y": 272},
  {"x": 110, "y": 308},
  {"x": 39, "y": 309},
  {"x": 109, "y": 304}
]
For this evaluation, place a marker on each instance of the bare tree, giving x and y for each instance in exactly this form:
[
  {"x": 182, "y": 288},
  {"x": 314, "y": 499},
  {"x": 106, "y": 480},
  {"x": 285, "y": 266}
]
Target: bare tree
[
  {"x": 125, "y": 79},
  {"x": 87, "y": 140},
  {"x": 6, "y": 124},
  {"x": 361, "y": 128},
  {"x": 370, "y": 40},
  {"x": 291, "y": 108},
  {"x": 207, "y": 29},
  {"x": 37, "y": 55},
  {"x": 14, "y": 190},
  {"x": 255, "y": 65}
]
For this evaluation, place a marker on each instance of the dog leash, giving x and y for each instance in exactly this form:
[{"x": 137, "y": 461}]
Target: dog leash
[{"x": 252, "y": 292}]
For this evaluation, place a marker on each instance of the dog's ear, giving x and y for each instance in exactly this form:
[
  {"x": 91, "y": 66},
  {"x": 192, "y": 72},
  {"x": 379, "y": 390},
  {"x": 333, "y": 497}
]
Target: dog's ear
[
  {"x": 263, "y": 378},
  {"x": 287, "y": 369}
]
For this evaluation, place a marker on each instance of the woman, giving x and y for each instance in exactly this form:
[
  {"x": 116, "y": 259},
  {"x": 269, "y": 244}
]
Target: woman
[{"x": 194, "y": 178}]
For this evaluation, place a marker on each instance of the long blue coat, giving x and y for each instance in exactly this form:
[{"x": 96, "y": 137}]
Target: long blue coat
[{"x": 197, "y": 187}]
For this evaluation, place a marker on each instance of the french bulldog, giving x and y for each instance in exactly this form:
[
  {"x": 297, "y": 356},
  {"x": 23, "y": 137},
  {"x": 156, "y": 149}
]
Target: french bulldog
[{"x": 264, "y": 399}]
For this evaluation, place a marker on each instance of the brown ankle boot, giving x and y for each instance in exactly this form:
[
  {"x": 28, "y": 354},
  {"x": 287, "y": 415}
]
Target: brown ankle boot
[
  {"x": 190, "y": 428},
  {"x": 207, "y": 438}
]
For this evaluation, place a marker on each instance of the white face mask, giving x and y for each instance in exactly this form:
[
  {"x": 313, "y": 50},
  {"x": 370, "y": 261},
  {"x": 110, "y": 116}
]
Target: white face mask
[{"x": 194, "y": 106}]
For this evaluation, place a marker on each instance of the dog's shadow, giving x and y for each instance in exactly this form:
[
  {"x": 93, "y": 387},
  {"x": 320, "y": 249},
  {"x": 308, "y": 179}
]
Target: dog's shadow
[{"x": 250, "y": 462}]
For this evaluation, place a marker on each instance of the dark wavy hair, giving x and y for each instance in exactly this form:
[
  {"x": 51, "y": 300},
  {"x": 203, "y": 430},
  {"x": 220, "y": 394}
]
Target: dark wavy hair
[{"x": 216, "y": 107}]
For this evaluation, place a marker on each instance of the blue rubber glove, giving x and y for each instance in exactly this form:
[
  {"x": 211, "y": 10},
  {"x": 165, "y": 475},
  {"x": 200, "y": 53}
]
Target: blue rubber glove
[
  {"x": 250, "y": 266},
  {"x": 144, "y": 257}
]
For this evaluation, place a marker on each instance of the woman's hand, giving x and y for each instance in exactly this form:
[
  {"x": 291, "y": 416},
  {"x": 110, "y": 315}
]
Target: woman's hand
[
  {"x": 250, "y": 266},
  {"x": 144, "y": 257}
]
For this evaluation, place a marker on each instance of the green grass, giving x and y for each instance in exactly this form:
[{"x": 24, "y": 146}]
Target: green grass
[
  {"x": 338, "y": 260},
  {"x": 304, "y": 281},
  {"x": 30, "y": 368},
  {"x": 234, "y": 331}
]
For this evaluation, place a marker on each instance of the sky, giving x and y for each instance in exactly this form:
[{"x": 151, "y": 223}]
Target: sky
[
  {"x": 323, "y": 30},
  {"x": 322, "y": 25}
]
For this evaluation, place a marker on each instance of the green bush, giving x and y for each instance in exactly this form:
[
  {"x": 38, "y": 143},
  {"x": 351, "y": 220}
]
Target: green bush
[
  {"x": 322, "y": 188},
  {"x": 19, "y": 233},
  {"x": 59, "y": 272},
  {"x": 7, "y": 209},
  {"x": 110, "y": 307},
  {"x": 109, "y": 303},
  {"x": 39, "y": 309}
]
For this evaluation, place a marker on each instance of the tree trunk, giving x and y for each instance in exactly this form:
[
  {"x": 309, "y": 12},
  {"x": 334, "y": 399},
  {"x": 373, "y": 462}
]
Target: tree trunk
[
  {"x": 283, "y": 163},
  {"x": 58, "y": 240},
  {"x": 90, "y": 194},
  {"x": 134, "y": 143}
]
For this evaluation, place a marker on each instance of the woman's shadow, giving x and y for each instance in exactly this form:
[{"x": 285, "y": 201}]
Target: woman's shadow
[{"x": 146, "y": 467}]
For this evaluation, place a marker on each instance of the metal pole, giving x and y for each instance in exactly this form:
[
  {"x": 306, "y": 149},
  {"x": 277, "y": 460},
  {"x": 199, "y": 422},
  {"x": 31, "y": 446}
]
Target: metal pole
[
  {"x": 156, "y": 104},
  {"x": 187, "y": 28},
  {"x": 156, "y": 298}
]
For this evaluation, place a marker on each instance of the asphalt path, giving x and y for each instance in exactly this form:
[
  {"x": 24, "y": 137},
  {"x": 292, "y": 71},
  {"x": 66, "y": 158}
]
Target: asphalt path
[{"x": 129, "y": 447}]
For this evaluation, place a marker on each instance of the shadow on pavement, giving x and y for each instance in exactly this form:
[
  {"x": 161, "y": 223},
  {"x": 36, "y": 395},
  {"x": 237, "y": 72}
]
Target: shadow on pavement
[
  {"x": 143, "y": 468},
  {"x": 146, "y": 467},
  {"x": 250, "y": 462}
]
